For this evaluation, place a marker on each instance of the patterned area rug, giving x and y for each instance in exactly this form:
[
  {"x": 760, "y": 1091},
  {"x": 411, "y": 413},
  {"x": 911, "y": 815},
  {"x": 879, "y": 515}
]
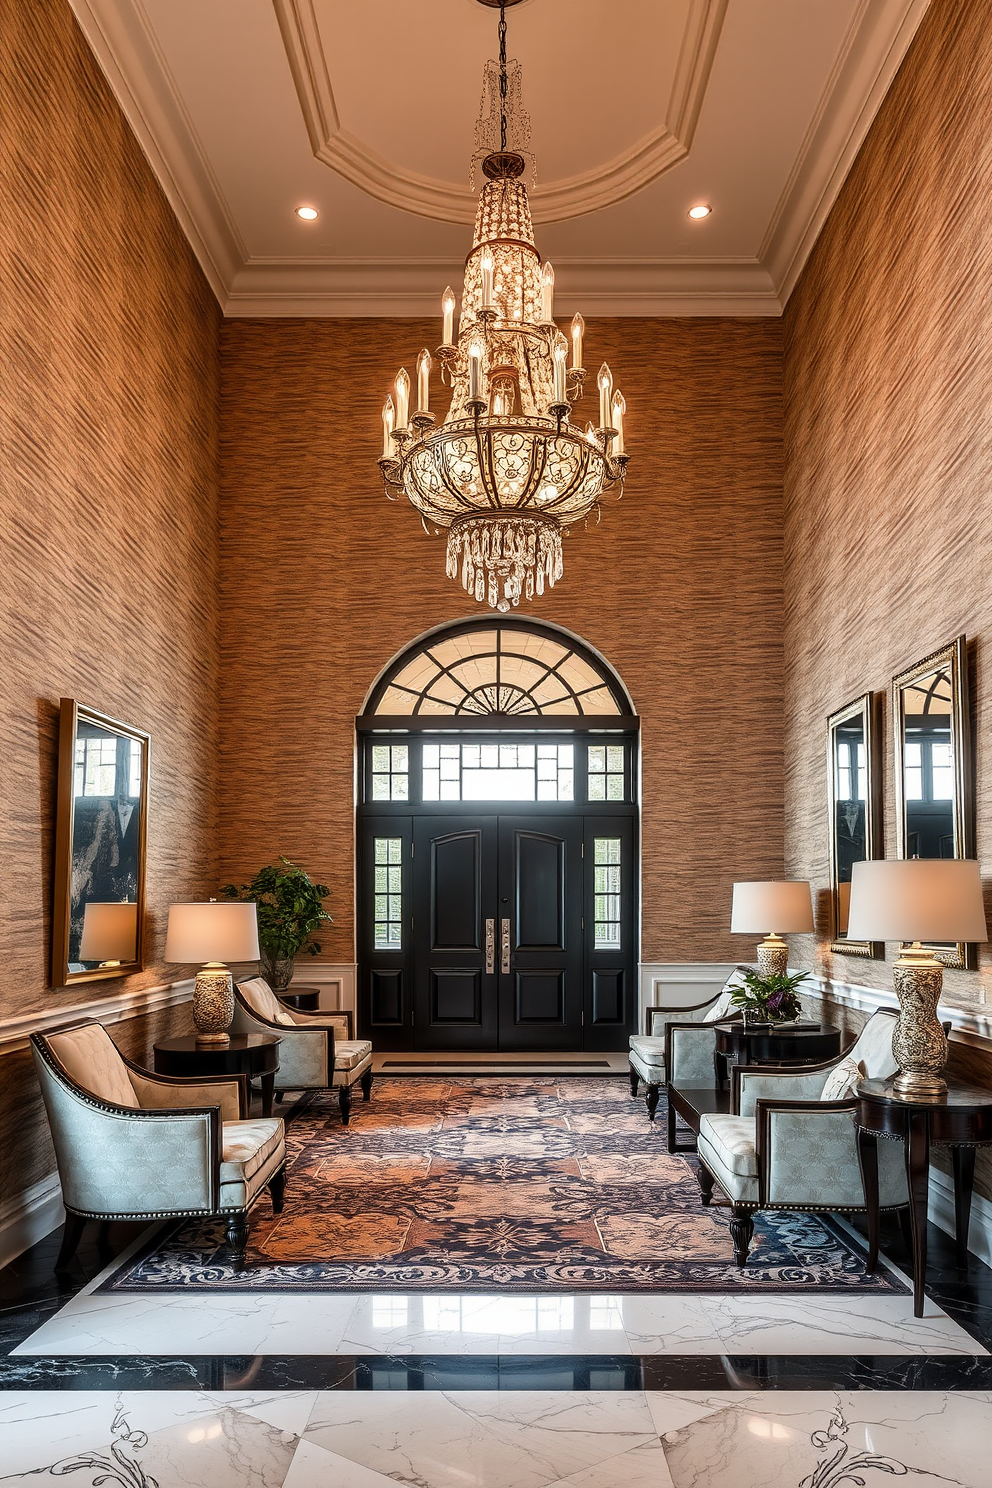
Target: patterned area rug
[{"x": 510, "y": 1184}]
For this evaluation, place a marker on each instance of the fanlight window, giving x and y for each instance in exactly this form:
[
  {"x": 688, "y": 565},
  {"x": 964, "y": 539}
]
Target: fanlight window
[{"x": 509, "y": 671}]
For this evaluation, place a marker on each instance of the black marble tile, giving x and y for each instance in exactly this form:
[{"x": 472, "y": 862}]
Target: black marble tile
[{"x": 501, "y": 1372}]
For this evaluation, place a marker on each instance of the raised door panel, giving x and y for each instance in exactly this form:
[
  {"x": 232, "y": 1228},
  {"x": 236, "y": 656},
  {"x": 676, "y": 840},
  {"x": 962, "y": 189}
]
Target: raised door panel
[
  {"x": 540, "y": 876},
  {"x": 454, "y": 890}
]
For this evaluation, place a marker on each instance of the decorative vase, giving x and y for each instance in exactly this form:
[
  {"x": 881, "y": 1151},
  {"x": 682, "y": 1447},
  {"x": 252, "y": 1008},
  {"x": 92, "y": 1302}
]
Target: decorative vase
[{"x": 277, "y": 971}]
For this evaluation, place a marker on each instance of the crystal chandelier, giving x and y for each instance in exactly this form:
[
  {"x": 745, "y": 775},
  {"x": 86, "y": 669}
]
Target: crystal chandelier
[{"x": 507, "y": 472}]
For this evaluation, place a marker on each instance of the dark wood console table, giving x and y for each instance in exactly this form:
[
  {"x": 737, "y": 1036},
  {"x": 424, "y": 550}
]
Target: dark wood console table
[
  {"x": 253, "y": 1054},
  {"x": 772, "y": 1044},
  {"x": 960, "y": 1119}
]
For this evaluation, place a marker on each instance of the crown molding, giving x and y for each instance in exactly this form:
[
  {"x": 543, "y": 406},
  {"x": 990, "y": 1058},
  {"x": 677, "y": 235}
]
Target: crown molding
[
  {"x": 448, "y": 201},
  {"x": 878, "y": 39},
  {"x": 402, "y": 288},
  {"x": 122, "y": 40}
]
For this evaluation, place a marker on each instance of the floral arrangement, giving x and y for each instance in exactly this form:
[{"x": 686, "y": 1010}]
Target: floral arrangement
[{"x": 768, "y": 999}]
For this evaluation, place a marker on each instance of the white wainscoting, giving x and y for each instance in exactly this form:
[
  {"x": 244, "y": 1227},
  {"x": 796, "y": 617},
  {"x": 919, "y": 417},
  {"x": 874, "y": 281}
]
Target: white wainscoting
[
  {"x": 337, "y": 983},
  {"x": 679, "y": 983}
]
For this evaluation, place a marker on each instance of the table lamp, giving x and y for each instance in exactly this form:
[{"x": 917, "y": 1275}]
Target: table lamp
[
  {"x": 212, "y": 933},
  {"x": 772, "y": 906},
  {"x": 918, "y": 899},
  {"x": 110, "y": 933}
]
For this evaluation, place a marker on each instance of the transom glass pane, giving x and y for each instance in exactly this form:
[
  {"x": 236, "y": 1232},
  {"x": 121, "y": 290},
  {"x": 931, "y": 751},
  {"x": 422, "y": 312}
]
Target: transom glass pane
[
  {"x": 606, "y": 772},
  {"x": 390, "y": 772},
  {"x": 606, "y": 891},
  {"x": 498, "y": 772},
  {"x": 388, "y": 885}
]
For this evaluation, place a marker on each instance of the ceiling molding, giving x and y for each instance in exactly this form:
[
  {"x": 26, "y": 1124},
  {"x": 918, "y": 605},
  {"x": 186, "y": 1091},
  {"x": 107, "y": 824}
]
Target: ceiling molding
[
  {"x": 448, "y": 201},
  {"x": 877, "y": 41},
  {"x": 124, "y": 44},
  {"x": 401, "y": 288},
  {"x": 121, "y": 37}
]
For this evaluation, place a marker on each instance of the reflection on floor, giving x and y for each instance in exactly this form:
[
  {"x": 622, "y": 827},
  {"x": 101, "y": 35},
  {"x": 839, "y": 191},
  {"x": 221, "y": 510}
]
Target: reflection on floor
[{"x": 507, "y": 1439}]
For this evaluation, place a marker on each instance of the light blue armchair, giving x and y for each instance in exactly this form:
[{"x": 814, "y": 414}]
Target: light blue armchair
[
  {"x": 646, "y": 1059},
  {"x": 133, "y": 1145},
  {"x": 784, "y": 1146}
]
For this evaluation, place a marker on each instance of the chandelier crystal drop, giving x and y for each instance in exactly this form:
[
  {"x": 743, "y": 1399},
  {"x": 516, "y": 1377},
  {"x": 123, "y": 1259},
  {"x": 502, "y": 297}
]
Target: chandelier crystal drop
[{"x": 507, "y": 472}]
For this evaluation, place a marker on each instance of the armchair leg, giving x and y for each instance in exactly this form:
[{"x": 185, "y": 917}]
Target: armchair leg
[
  {"x": 671, "y": 1124},
  {"x": 277, "y": 1190},
  {"x": 366, "y": 1084},
  {"x": 652, "y": 1094},
  {"x": 741, "y": 1231},
  {"x": 344, "y": 1101},
  {"x": 706, "y": 1182},
  {"x": 71, "y": 1237},
  {"x": 237, "y": 1238},
  {"x": 633, "y": 1081}
]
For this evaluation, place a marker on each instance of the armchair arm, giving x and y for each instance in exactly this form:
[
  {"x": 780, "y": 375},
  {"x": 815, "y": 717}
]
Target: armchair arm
[
  {"x": 335, "y": 1020},
  {"x": 689, "y": 1054},
  {"x": 160, "y": 1092},
  {"x": 752, "y": 1082},
  {"x": 306, "y": 1058}
]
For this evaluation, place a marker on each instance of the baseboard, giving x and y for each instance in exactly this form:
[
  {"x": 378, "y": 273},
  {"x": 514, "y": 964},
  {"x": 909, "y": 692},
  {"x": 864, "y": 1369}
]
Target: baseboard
[
  {"x": 941, "y": 1211},
  {"x": 29, "y": 1217}
]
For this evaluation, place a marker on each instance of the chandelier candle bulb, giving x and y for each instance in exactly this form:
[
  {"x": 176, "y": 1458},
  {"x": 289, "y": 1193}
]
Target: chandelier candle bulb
[
  {"x": 619, "y": 409},
  {"x": 578, "y": 331},
  {"x": 475, "y": 372},
  {"x": 388, "y": 423},
  {"x": 424, "y": 365},
  {"x": 448, "y": 311},
  {"x": 605, "y": 381},
  {"x": 547, "y": 294},
  {"x": 486, "y": 265},
  {"x": 402, "y": 398},
  {"x": 561, "y": 356}
]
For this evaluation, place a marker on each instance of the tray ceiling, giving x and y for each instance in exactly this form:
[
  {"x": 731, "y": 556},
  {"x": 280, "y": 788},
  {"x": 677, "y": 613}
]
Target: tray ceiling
[{"x": 639, "y": 108}]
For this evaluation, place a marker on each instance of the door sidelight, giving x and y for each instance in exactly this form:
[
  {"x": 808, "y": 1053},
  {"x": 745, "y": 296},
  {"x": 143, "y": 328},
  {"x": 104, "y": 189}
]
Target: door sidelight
[{"x": 505, "y": 947}]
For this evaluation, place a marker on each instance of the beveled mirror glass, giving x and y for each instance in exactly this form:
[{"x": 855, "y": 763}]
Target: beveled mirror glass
[
  {"x": 935, "y": 806},
  {"x": 101, "y": 825},
  {"x": 854, "y": 787}
]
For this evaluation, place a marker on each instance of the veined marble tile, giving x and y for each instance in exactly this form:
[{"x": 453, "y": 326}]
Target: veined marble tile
[
  {"x": 171, "y": 1437},
  {"x": 780, "y": 1440},
  {"x": 490, "y": 1439},
  {"x": 315, "y": 1467},
  {"x": 802, "y": 1324},
  {"x": 641, "y": 1467}
]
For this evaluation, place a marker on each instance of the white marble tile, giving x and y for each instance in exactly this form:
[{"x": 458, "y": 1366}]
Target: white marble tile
[
  {"x": 170, "y": 1436},
  {"x": 780, "y": 1439},
  {"x": 289, "y": 1411},
  {"x": 675, "y": 1323},
  {"x": 641, "y": 1467},
  {"x": 506, "y": 1439},
  {"x": 315, "y": 1467},
  {"x": 798, "y": 1323}
]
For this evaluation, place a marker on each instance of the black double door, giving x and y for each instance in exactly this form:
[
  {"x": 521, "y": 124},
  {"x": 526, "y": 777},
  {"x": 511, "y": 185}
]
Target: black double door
[{"x": 498, "y": 933}]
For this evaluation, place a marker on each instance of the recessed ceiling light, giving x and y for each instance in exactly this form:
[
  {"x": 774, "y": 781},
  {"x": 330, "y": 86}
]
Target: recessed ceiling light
[
  {"x": 699, "y": 211},
  {"x": 310, "y": 214}
]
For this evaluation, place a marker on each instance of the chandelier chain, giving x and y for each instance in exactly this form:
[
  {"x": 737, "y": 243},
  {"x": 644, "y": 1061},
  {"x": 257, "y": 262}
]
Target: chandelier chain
[{"x": 502, "y": 77}]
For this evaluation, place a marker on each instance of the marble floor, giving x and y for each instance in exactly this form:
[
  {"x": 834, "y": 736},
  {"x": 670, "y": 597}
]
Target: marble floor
[{"x": 491, "y": 1391}]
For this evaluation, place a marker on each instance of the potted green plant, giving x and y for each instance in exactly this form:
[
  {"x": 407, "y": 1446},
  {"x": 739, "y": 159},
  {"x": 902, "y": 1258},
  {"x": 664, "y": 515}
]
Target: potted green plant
[
  {"x": 768, "y": 999},
  {"x": 290, "y": 909}
]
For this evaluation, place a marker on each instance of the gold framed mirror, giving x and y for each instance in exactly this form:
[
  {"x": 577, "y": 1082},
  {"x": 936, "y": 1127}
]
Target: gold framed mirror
[
  {"x": 101, "y": 830},
  {"x": 854, "y": 796},
  {"x": 935, "y": 801}
]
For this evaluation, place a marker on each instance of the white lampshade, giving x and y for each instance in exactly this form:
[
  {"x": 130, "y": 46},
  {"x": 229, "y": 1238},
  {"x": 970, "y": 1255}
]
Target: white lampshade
[
  {"x": 771, "y": 905},
  {"x": 928, "y": 899},
  {"x": 217, "y": 931},
  {"x": 110, "y": 932}
]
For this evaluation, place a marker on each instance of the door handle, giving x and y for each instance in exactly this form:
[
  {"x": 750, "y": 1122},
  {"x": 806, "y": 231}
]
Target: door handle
[
  {"x": 505, "y": 946},
  {"x": 490, "y": 947}
]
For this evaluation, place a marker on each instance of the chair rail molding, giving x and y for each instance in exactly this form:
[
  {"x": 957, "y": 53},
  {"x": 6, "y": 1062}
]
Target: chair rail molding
[{"x": 15, "y": 1032}]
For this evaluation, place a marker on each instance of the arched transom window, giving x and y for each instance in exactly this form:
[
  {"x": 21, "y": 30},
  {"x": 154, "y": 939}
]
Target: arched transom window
[{"x": 510, "y": 670}]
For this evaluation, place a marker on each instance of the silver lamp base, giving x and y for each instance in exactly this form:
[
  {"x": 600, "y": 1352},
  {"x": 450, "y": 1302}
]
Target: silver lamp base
[
  {"x": 213, "y": 1005},
  {"x": 918, "y": 1044}
]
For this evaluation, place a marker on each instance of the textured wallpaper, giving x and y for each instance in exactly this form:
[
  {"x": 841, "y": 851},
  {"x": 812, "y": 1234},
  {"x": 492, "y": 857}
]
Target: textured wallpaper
[
  {"x": 888, "y": 369},
  {"x": 107, "y": 486},
  {"x": 324, "y": 580}
]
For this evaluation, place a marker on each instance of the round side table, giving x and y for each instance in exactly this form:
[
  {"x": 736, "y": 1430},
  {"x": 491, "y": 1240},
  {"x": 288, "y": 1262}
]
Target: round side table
[
  {"x": 773, "y": 1043},
  {"x": 253, "y": 1054}
]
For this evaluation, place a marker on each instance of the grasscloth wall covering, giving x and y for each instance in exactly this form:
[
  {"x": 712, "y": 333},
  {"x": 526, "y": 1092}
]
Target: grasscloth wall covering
[
  {"x": 888, "y": 366},
  {"x": 108, "y": 500},
  {"x": 323, "y": 580}
]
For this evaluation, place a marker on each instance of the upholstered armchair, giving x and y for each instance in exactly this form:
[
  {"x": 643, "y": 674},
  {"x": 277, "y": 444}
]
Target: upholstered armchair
[
  {"x": 786, "y": 1144},
  {"x": 313, "y": 1054},
  {"x": 132, "y": 1145},
  {"x": 646, "y": 1059}
]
